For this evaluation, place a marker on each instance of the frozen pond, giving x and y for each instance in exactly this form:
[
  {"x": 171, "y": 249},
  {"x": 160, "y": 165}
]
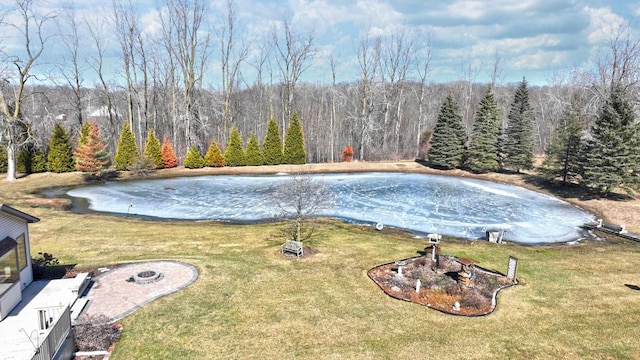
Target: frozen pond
[{"x": 421, "y": 203}]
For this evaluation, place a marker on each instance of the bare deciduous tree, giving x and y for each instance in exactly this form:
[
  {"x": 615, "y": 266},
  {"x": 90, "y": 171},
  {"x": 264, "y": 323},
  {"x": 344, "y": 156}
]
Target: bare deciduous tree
[
  {"x": 298, "y": 198},
  {"x": 294, "y": 55},
  {"x": 32, "y": 30}
]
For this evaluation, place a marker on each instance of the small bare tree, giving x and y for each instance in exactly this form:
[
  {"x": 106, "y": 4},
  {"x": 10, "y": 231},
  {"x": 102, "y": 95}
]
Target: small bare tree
[{"x": 298, "y": 198}]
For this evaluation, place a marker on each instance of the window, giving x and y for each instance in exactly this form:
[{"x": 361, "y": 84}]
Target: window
[
  {"x": 22, "y": 252},
  {"x": 9, "y": 274}
]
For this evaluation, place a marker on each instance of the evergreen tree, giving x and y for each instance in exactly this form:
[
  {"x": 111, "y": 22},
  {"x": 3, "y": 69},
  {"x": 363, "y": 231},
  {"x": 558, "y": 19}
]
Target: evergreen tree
[
  {"x": 92, "y": 156},
  {"x": 517, "y": 142},
  {"x": 60, "y": 157},
  {"x": 84, "y": 133},
  {"x": 234, "y": 153},
  {"x": 3, "y": 158},
  {"x": 152, "y": 150},
  {"x": 294, "y": 152},
  {"x": 482, "y": 154},
  {"x": 253, "y": 154},
  {"x": 611, "y": 159},
  {"x": 169, "y": 158},
  {"x": 214, "y": 156},
  {"x": 448, "y": 137},
  {"x": 564, "y": 152},
  {"x": 127, "y": 150},
  {"x": 31, "y": 160},
  {"x": 194, "y": 159},
  {"x": 272, "y": 145}
]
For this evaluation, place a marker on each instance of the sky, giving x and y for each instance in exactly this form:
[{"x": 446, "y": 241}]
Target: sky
[{"x": 536, "y": 39}]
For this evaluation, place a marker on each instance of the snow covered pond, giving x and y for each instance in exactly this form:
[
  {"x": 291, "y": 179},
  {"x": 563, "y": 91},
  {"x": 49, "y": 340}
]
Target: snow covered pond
[{"x": 418, "y": 202}]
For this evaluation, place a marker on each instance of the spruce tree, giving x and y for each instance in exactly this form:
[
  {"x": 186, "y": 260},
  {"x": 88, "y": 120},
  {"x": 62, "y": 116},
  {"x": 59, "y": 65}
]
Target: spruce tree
[
  {"x": 294, "y": 152},
  {"x": 92, "y": 155},
  {"x": 169, "y": 158},
  {"x": 252, "y": 154},
  {"x": 234, "y": 153},
  {"x": 517, "y": 141},
  {"x": 214, "y": 156},
  {"x": 194, "y": 159},
  {"x": 127, "y": 150},
  {"x": 31, "y": 160},
  {"x": 272, "y": 145},
  {"x": 60, "y": 157},
  {"x": 84, "y": 133},
  {"x": 448, "y": 137},
  {"x": 611, "y": 159},
  {"x": 564, "y": 152},
  {"x": 482, "y": 154},
  {"x": 152, "y": 150}
]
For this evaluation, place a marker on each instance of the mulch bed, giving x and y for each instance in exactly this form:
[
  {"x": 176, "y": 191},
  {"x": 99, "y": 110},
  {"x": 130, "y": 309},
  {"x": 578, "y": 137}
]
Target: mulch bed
[{"x": 441, "y": 287}]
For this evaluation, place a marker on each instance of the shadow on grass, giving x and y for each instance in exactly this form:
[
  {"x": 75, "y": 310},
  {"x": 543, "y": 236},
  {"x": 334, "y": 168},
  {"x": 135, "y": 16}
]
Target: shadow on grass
[
  {"x": 102, "y": 176},
  {"x": 633, "y": 287}
]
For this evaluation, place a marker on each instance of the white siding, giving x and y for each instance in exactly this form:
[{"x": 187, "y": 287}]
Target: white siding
[
  {"x": 9, "y": 300},
  {"x": 14, "y": 227}
]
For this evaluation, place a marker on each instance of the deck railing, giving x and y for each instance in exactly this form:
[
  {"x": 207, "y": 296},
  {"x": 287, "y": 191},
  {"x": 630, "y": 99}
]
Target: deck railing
[{"x": 55, "y": 335}]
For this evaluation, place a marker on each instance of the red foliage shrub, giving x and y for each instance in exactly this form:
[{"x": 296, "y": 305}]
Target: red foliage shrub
[
  {"x": 347, "y": 154},
  {"x": 168, "y": 154}
]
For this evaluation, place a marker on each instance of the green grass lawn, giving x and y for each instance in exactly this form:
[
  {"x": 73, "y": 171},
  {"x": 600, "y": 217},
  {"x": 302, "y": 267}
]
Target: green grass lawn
[{"x": 249, "y": 302}]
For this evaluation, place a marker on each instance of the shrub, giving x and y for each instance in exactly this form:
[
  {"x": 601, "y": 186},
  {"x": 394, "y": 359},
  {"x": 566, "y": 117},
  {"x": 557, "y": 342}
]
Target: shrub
[
  {"x": 473, "y": 299},
  {"x": 152, "y": 150},
  {"x": 193, "y": 160},
  {"x": 127, "y": 150},
  {"x": 347, "y": 154},
  {"x": 294, "y": 152},
  {"x": 272, "y": 145},
  {"x": 234, "y": 153},
  {"x": 253, "y": 155},
  {"x": 169, "y": 158},
  {"x": 60, "y": 157},
  {"x": 214, "y": 156}
]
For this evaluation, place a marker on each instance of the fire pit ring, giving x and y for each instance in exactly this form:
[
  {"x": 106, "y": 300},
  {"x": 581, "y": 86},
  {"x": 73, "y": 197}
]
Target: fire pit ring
[{"x": 146, "y": 277}]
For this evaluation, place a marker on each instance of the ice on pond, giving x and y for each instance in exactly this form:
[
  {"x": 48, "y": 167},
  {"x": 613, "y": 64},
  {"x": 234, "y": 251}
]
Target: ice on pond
[{"x": 418, "y": 202}]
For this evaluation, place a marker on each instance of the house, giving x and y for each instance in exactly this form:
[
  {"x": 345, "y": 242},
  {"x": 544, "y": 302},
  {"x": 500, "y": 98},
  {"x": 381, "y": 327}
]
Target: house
[{"x": 35, "y": 316}]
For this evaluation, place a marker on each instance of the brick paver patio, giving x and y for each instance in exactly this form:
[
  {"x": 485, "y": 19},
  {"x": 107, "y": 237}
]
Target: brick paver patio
[{"x": 112, "y": 295}]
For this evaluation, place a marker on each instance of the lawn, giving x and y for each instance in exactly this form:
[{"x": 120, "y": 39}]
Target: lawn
[{"x": 250, "y": 302}]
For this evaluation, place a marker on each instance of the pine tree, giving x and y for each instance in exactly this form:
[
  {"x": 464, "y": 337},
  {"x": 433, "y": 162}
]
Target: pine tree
[
  {"x": 3, "y": 158},
  {"x": 294, "y": 152},
  {"x": 84, "y": 133},
  {"x": 448, "y": 137},
  {"x": 60, "y": 157},
  {"x": 194, "y": 159},
  {"x": 252, "y": 154},
  {"x": 611, "y": 159},
  {"x": 31, "y": 160},
  {"x": 517, "y": 142},
  {"x": 272, "y": 145},
  {"x": 214, "y": 156},
  {"x": 234, "y": 153},
  {"x": 92, "y": 156},
  {"x": 127, "y": 150},
  {"x": 169, "y": 158},
  {"x": 482, "y": 154},
  {"x": 152, "y": 150},
  {"x": 564, "y": 153}
]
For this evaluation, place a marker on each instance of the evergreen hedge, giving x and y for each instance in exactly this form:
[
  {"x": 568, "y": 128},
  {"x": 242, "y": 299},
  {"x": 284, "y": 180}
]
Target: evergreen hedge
[
  {"x": 127, "y": 150},
  {"x": 294, "y": 152},
  {"x": 60, "y": 157}
]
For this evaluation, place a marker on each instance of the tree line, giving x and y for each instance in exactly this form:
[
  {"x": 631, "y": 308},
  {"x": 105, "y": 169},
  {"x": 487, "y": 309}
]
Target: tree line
[{"x": 382, "y": 114}]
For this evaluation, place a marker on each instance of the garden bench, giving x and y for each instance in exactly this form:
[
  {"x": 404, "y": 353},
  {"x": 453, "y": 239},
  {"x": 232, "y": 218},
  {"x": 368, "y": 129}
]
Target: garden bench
[{"x": 292, "y": 246}]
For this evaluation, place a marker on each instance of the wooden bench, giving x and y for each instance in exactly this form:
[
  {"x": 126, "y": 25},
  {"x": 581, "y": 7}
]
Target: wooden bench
[{"x": 292, "y": 246}]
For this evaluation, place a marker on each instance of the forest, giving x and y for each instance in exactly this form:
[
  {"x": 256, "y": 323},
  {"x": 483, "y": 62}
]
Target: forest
[{"x": 388, "y": 111}]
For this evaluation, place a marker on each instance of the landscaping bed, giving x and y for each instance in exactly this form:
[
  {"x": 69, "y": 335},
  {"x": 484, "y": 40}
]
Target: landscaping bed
[{"x": 441, "y": 286}]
